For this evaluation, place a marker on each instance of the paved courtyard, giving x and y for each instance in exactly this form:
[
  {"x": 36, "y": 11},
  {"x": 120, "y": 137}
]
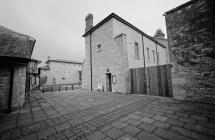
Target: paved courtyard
[{"x": 107, "y": 116}]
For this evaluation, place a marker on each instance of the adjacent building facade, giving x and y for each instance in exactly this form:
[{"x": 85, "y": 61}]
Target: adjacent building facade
[
  {"x": 15, "y": 53},
  {"x": 191, "y": 37},
  {"x": 61, "y": 72},
  {"x": 112, "y": 48},
  {"x": 32, "y": 80}
]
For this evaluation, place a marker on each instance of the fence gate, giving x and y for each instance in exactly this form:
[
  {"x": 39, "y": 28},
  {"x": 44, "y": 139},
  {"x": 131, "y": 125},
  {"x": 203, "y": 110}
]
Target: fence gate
[{"x": 155, "y": 80}]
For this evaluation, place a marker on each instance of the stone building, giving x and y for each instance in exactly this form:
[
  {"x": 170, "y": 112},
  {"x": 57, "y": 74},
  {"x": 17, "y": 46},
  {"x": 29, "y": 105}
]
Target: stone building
[
  {"x": 43, "y": 74},
  {"x": 15, "y": 53},
  {"x": 62, "y": 72},
  {"x": 191, "y": 38},
  {"x": 112, "y": 48},
  {"x": 160, "y": 37},
  {"x": 32, "y": 80}
]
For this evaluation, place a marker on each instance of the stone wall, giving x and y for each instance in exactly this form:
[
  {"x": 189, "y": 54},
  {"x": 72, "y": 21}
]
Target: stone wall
[
  {"x": 111, "y": 58},
  {"x": 191, "y": 36},
  {"x": 135, "y": 37},
  {"x": 19, "y": 80},
  {"x": 4, "y": 87},
  {"x": 18, "y": 91},
  {"x": 63, "y": 73}
]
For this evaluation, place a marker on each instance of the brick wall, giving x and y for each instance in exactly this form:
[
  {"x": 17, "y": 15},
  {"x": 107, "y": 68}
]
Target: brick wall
[{"x": 191, "y": 34}]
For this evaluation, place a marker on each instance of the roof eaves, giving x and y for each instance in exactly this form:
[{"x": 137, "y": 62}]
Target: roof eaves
[
  {"x": 34, "y": 41},
  {"x": 63, "y": 61},
  {"x": 179, "y": 7},
  {"x": 99, "y": 24}
]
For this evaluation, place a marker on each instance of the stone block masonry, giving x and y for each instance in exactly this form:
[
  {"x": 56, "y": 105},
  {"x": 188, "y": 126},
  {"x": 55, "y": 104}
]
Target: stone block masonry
[
  {"x": 191, "y": 37},
  {"x": 111, "y": 58},
  {"x": 18, "y": 96},
  {"x": 4, "y": 87},
  {"x": 15, "y": 53}
]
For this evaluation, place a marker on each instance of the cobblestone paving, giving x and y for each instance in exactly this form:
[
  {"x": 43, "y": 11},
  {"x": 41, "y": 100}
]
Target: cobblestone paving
[{"x": 107, "y": 116}]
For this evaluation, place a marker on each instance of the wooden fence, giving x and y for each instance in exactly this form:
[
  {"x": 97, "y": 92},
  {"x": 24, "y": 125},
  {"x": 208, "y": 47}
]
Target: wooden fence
[{"x": 155, "y": 80}]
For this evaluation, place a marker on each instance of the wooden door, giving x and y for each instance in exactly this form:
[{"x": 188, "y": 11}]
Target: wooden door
[{"x": 108, "y": 82}]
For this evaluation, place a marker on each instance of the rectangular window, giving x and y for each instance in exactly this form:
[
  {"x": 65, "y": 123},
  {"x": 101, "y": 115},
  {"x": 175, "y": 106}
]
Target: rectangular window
[
  {"x": 153, "y": 52},
  {"x": 99, "y": 48},
  {"x": 114, "y": 79},
  {"x": 148, "y": 55},
  {"x": 136, "y": 50}
]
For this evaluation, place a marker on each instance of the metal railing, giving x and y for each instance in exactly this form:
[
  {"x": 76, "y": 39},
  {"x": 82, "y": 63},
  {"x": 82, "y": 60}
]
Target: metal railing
[{"x": 60, "y": 87}]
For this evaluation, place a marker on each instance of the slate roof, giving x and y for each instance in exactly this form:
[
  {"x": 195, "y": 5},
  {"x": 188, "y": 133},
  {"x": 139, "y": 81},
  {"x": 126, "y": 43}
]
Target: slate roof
[
  {"x": 64, "y": 61},
  {"x": 14, "y": 44},
  {"x": 46, "y": 67},
  {"x": 162, "y": 41},
  {"x": 35, "y": 60}
]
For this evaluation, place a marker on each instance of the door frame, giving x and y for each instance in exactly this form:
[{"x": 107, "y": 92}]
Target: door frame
[{"x": 108, "y": 78}]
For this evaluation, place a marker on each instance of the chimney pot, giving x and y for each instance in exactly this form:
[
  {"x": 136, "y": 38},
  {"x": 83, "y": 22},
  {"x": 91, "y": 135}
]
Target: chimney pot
[{"x": 159, "y": 34}]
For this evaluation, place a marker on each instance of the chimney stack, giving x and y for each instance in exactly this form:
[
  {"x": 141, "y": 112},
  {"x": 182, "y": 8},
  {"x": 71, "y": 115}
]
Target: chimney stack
[
  {"x": 159, "y": 34},
  {"x": 89, "y": 22}
]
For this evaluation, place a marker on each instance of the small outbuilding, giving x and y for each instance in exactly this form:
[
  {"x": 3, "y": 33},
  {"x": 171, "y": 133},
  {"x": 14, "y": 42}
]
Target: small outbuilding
[{"x": 15, "y": 53}]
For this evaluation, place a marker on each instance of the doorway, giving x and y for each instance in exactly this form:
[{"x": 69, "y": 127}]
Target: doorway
[{"x": 108, "y": 82}]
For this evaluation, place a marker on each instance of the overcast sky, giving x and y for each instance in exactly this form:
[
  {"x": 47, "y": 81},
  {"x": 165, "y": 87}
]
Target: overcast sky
[{"x": 57, "y": 25}]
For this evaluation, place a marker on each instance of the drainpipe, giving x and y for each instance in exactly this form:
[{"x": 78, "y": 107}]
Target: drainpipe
[
  {"x": 39, "y": 77},
  {"x": 156, "y": 53},
  {"x": 144, "y": 63},
  {"x": 11, "y": 89},
  {"x": 158, "y": 72},
  {"x": 91, "y": 67}
]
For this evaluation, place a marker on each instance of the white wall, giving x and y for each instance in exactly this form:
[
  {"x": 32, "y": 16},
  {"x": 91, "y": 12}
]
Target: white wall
[
  {"x": 64, "y": 73},
  {"x": 134, "y": 36}
]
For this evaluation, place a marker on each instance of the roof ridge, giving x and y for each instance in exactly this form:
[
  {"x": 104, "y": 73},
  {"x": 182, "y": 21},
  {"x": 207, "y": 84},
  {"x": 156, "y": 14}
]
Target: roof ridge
[
  {"x": 123, "y": 21},
  {"x": 180, "y": 6},
  {"x": 12, "y": 32}
]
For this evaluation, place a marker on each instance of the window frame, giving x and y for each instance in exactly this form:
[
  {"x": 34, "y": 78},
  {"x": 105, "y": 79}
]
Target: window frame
[
  {"x": 136, "y": 51},
  {"x": 99, "y": 48},
  {"x": 148, "y": 54},
  {"x": 158, "y": 58},
  {"x": 153, "y": 53}
]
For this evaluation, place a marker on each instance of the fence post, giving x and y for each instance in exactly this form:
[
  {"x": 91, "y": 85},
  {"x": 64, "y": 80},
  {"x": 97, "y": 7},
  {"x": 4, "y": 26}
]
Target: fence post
[
  {"x": 66, "y": 87},
  {"x": 43, "y": 89},
  {"x": 51, "y": 88},
  {"x": 72, "y": 87},
  {"x": 59, "y": 87}
]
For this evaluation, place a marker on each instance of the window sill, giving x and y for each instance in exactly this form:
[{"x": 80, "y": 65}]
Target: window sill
[{"x": 99, "y": 50}]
